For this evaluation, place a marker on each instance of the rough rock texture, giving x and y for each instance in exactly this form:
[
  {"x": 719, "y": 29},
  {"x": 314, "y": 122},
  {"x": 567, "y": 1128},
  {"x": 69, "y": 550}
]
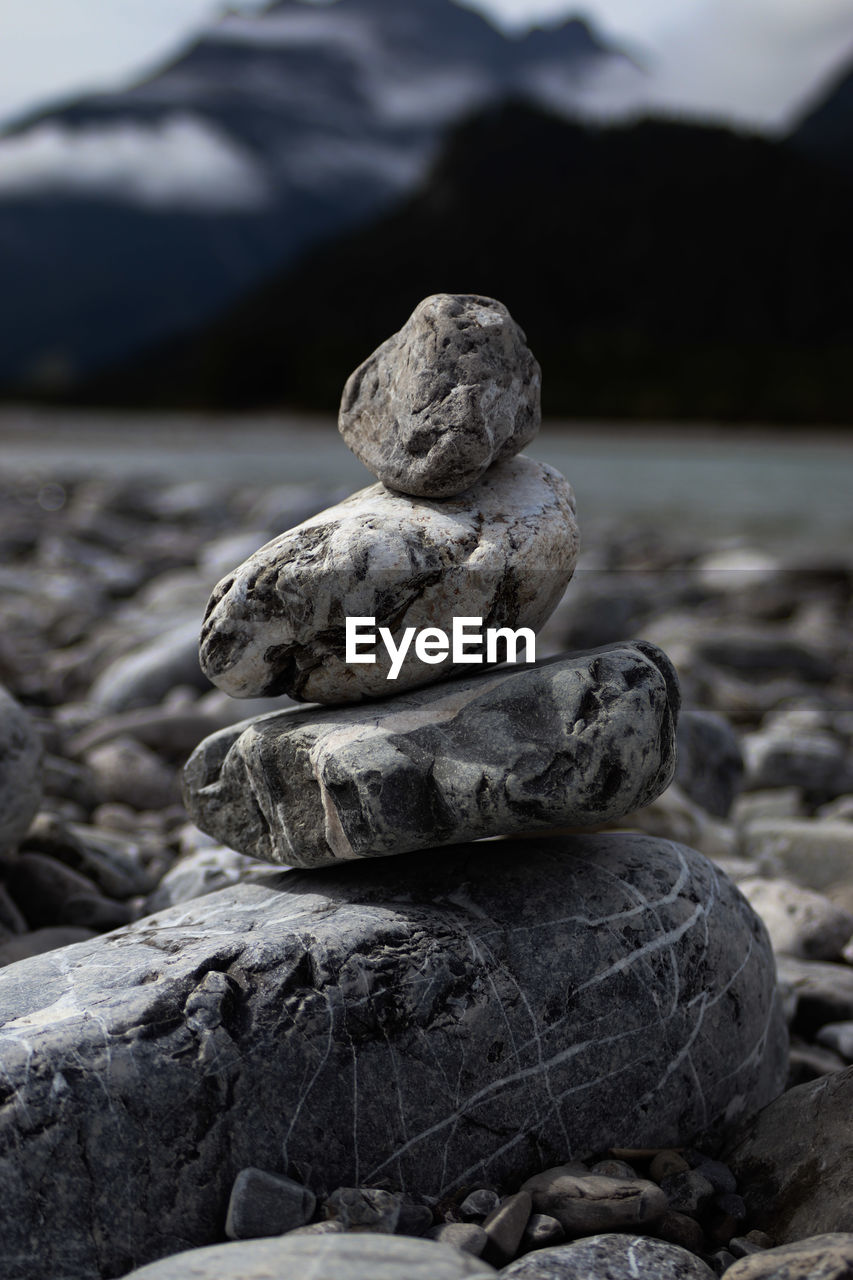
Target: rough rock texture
[
  {"x": 586, "y": 1205},
  {"x": 823, "y": 1257},
  {"x": 610, "y": 1257},
  {"x": 427, "y": 1023},
  {"x": 794, "y": 1162},
  {"x": 503, "y": 552},
  {"x": 576, "y": 741},
  {"x": 454, "y": 391},
  {"x": 323, "y": 1257},
  {"x": 20, "y": 770}
]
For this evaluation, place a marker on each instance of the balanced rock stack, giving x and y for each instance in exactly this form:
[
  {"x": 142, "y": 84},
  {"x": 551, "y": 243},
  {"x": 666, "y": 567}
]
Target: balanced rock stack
[
  {"x": 499, "y": 1004},
  {"x": 464, "y": 1013}
]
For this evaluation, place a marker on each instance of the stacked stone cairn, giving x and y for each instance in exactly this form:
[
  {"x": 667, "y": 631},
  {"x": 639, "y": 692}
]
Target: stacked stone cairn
[{"x": 453, "y": 1000}]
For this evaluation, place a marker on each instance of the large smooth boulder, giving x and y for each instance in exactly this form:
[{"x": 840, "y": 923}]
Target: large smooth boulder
[
  {"x": 454, "y": 391},
  {"x": 576, "y": 741},
  {"x": 504, "y": 552},
  {"x": 20, "y": 770},
  {"x": 424, "y": 1023}
]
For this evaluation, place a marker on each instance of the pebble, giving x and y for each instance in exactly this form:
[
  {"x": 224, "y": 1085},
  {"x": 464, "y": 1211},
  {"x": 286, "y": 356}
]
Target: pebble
[
  {"x": 541, "y": 1232},
  {"x": 822, "y": 1257},
  {"x": 453, "y": 392},
  {"x": 143, "y": 677},
  {"x": 504, "y": 1228},
  {"x": 21, "y": 753},
  {"x": 838, "y": 1036},
  {"x": 587, "y": 1205},
  {"x": 710, "y": 761},
  {"x": 686, "y": 1192},
  {"x": 610, "y": 1257},
  {"x": 266, "y": 1204},
  {"x": 666, "y": 1163},
  {"x": 814, "y": 854},
  {"x": 478, "y": 1205},
  {"x": 124, "y": 770},
  {"x": 364, "y": 1209},
  {"x": 681, "y": 1229},
  {"x": 800, "y": 922},
  {"x": 794, "y": 1161},
  {"x": 467, "y": 1236}
]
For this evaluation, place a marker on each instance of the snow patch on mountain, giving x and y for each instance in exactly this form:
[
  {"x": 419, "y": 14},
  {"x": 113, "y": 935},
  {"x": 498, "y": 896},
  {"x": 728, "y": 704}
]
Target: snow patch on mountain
[{"x": 179, "y": 163}]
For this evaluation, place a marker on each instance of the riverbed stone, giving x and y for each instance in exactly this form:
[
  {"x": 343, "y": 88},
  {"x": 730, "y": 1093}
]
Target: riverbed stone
[
  {"x": 502, "y": 552},
  {"x": 610, "y": 1256},
  {"x": 794, "y": 1161},
  {"x": 588, "y": 1205},
  {"x": 454, "y": 391},
  {"x": 710, "y": 762},
  {"x": 266, "y": 1204},
  {"x": 800, "y": 922},
  {"x": 422, "y": 1024},
  {"x": 21, "y": 755},
  {"x": 576, "y": 741},
  {"x": 321, "y": 1257},
  {"x": 823, "y": 1257}
]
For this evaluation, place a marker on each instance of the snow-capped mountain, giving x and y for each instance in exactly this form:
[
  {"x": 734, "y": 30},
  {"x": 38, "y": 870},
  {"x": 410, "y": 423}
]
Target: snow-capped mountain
[{"x": 127, "y": 216}]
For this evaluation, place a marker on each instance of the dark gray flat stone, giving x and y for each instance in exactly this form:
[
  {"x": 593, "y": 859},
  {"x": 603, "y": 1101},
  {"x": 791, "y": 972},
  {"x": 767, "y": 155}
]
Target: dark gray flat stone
[
  {"x": 425, "y": 1023},
  {"x": 576, "y": 741},
  {"x": 20, "y": 770}
]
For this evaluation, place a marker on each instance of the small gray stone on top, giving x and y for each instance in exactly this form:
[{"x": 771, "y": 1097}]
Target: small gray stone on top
[
  {"x": 574, "y": 741},
  {"x": 610, "y": 1257},
  {"x": 364, "y": 1208},
  {"x": 478, "y": 1205},
  {"x": 454, "y": 391},
  {"x": 21, "y": 755},
  {"x": 503, "y": 552},
  {"x": 266, "y": 1204},
  {"x": 298, "y": 1256}
]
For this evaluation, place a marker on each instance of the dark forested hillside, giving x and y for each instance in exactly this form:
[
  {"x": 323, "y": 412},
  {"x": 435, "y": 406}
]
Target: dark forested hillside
[{"x": 661, "y": 270}]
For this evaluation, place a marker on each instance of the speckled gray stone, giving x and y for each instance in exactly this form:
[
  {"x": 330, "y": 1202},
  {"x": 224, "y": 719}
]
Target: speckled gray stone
[
  {"x": 610, "y": 1257},
  {"x": 503, "y": 552},
  {"x": 800, "y": 922},
  {"x": 575, "y": 741},
  {"x": 425, "y": 1023},
  {"x": 454, "y": 391},
  {"x": 824, "y": 1257},
  {"x": 321, "y": 1257},
  {"x": 20, "y": 770}
]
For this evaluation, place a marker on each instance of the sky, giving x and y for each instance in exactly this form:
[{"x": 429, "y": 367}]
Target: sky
[{"x": 756, "y": 62}]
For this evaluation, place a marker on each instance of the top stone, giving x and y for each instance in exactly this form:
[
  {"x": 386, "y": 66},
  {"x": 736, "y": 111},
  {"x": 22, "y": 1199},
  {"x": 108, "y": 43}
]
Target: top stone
[{"x": 454, "y": 391}]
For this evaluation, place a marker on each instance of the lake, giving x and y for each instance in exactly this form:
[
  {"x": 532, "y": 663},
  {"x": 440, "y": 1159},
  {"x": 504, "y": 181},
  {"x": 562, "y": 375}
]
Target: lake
[{"x": 786, "y": 492}]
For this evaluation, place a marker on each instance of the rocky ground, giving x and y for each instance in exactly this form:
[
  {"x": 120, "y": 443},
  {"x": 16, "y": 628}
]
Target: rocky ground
[{"x": 102, "y": 588}]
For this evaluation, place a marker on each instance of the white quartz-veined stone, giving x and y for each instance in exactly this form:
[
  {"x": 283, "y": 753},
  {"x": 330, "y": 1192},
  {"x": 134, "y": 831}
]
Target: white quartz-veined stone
[
  {"x": 454, "y": 391},
  {"x": 577, "y": 741},
  {"x": 503, "y": 552}
]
